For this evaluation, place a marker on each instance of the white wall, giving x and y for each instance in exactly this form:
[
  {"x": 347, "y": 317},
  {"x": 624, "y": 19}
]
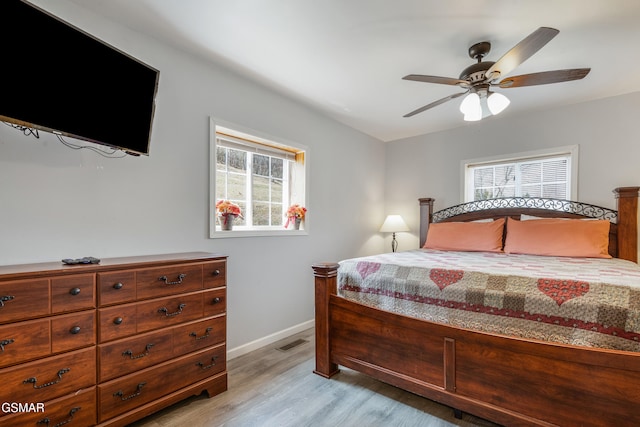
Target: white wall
[
  {"x": 606, "y": 131},
  {"x": 60, "y": 203}
]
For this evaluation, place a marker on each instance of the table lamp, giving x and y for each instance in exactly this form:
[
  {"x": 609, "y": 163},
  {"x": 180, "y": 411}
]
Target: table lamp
[{"x": 393, "y": 224}]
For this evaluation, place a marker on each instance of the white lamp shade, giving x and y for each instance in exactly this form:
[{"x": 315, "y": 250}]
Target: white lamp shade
[
  {"x": 471, "y": 108},
  {"x": 393, "y": 224},
  {"x": 497, "y": 102}
]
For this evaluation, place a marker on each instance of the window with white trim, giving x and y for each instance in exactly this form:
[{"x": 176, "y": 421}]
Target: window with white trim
[
  {"x": 549, "y": 174},
  {"x": 262, "y": 176}
]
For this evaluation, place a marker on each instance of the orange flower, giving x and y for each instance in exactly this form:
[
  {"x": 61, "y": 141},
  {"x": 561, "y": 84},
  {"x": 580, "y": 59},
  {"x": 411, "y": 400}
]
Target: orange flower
[
  {"x": 226, "y": 207},
  {"x": 296, "y": 211}
]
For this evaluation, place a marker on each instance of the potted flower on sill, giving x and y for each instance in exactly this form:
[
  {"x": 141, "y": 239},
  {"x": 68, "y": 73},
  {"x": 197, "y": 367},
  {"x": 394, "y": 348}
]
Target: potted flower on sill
[
  {"x": 295, "y": 214},
  {"x": 227, "y": 212}
]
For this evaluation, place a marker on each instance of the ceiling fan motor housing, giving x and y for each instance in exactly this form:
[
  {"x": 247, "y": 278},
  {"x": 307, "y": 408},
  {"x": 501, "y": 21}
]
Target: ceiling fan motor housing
[{"x": 476, "y": 73}]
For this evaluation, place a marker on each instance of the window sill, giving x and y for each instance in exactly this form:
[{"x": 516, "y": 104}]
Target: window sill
[{"x": 219, "y": 234}]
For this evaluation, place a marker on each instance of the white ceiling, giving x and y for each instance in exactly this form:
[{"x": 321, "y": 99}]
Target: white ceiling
[{"x": 346, "y": 58}]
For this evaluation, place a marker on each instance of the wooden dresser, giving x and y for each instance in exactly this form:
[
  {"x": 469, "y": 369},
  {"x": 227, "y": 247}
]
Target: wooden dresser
[{"x": 107, "y": 344}]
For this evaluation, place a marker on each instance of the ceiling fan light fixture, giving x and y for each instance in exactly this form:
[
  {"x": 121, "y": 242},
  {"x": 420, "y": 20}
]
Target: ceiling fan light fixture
[
  {"x": 497, "y": 102},
  {"x": 471, "y": 108}
]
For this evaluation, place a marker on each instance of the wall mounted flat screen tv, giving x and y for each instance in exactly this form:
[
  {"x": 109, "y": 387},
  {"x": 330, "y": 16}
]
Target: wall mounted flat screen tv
[{"x": 57, "y": 78}]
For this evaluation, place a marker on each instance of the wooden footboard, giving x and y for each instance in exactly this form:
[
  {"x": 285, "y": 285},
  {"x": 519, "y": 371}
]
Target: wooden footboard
[{"x": 510, "y": 381}]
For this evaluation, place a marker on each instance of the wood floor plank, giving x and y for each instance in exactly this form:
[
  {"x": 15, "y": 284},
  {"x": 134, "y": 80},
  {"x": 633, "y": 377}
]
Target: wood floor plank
[{"x": 273, "y": 388}]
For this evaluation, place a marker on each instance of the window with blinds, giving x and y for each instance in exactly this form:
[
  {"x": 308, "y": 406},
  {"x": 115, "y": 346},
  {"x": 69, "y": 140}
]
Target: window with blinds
[
  {"x": 548, "y": 176},
  {"x": 263, "y": 177}
]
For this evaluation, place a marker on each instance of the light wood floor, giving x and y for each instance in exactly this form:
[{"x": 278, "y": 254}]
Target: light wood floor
[{"x": 274, "y": 388}]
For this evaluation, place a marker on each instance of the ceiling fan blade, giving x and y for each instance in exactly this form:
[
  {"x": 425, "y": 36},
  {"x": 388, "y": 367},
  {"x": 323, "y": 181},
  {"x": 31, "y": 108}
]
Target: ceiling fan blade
[
  {"x": 435, "y": 103},
  {"x": 521, "y": 52},
  {"x": 436, "y": 79},
  {"x": 544, "y": 78}
]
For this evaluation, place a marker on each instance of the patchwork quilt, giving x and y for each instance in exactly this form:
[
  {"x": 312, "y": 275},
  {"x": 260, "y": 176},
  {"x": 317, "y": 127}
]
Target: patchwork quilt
[{"x": 582, "y": 301}]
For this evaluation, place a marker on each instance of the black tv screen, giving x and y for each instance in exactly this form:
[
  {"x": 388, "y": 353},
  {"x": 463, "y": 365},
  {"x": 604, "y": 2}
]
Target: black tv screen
[{"x": 59, "y": 79}]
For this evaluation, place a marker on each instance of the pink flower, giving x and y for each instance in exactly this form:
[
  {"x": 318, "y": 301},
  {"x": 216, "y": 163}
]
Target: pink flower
[
  {"x": 226, "y": 207},
  {"x": 296, "y": 211}
]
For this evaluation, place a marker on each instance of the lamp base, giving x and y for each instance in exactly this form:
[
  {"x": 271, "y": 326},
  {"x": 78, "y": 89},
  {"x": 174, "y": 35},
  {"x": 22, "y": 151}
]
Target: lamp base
[{"x": 394, "y": 243}]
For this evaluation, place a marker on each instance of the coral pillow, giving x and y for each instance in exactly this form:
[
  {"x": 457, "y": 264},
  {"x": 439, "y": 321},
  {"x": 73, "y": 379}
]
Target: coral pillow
[
  {"x": 558, "y": 237},
  {"x": 466, "y": 236}
]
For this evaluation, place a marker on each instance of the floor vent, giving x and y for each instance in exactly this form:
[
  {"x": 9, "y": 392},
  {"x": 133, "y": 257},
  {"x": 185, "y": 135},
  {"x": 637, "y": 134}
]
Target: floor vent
[{"x": 292, "y": 345}]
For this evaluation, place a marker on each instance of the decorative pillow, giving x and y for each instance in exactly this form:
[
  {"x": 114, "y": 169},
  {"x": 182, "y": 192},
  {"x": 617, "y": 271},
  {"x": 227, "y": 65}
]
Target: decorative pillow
[
  {"x": 558, "y": 237},
  {"x": 466, "y": 236}
]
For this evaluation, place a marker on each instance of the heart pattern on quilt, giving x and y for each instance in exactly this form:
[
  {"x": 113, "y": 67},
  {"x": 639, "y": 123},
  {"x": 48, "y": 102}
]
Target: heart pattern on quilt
[
  {"x": 443, "y": 278},
  {"x": 562, "y": 291},
  {"x": 366, "y": 268}
]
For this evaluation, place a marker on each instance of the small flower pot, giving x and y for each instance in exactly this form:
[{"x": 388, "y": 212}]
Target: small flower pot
[{"x": 226, "y": 222}]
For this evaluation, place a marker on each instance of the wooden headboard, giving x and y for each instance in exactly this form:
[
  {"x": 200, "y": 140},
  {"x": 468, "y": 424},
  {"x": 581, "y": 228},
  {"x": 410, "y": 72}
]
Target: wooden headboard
[{"x": 623, "y": 234}]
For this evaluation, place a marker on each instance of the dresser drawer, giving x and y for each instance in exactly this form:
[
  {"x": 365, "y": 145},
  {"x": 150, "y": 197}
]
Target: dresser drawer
[
  {"x": 75, "y": 410},
  {"x": 72, "y": 331},
  {"x": 214, "y": 274},
  {"x": 198, "y": 335},
  {"x": 163, "y": 312},
  {"x": 117, "y": 287},
  {"x": 24, "y": 341},
  {"x": 71, "y": 293},
  {"x": 155, "y": 282},
  {"x": 133, "y": 354},
  {"x": 49, "y": 378},
  {"x": 215, "y": 302},
  {"x": 23, "y": 299},
  {"x": 134, "y": 390},
  {"x": 117, "y": 322}
]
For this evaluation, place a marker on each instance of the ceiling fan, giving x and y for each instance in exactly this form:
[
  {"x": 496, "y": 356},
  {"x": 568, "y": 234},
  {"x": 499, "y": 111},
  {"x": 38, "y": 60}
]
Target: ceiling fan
[{"x": 478, "y": 78}]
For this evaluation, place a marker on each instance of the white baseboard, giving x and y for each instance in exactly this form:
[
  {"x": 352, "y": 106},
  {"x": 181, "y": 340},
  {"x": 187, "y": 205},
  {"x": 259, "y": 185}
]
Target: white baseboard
[{"x": 269, "y": 339}]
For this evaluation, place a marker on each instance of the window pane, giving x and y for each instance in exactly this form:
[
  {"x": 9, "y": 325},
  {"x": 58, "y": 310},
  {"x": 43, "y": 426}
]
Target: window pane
[
  {"x": 530, "y": 173},
  {"x": 260, "y": 189},
  {"x": 221, "y": 158},
  {"x": 260, "y": 165},
  {"x": 531, "y": 190},
  {"x": 555, "y": 191},
  {"x": 554, "y": 171},
  {"x": 506, "y": 192},
  {"x": 221, "y": 185},
  {"x": 260, "y": 213},
  {"x": 236, "y": 186},
  {"x": 505, "y": 175},
  {"x": 483, "y": 177},
  {"x": 276, "y": 190},
  {"x": 277, "y": 167},
  {"x": 237, "y": 160},
  {"x": 483, "y": 193},
  {"x": 277, "y": 215}
]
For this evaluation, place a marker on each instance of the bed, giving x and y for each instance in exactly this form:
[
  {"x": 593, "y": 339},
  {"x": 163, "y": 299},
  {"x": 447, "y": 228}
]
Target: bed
[{"x": 590, "y": 377}]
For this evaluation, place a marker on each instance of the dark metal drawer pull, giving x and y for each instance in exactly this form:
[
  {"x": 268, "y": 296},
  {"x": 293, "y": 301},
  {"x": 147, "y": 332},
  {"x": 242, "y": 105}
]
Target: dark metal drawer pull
[
  {"x": 201, "y": 337},
  {"x": 120, "y": 393},
  {"x": 175, "y": 313},
  {"x": 5, "y": 342},
  {"x": 74, "y": 291},
  {"x": 177, "y": 282},
  {"x": 216, "y": 273},
  {"x": 216, "y": 300},
  {"x": 33, "y": 380},
  {"x": 118, "y": 286},
  {"x": 75, "y": 330},
  {"x": 117, "y": 320},
  {"x": 138, "y": 356},
  {"x": 5, "y": 298},
  {"x": 47, "y": 421},
  {"x": 213, "y": 363}
]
